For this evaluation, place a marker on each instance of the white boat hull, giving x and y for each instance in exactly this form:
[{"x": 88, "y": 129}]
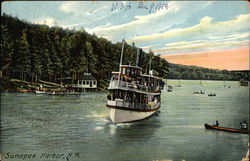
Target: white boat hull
[
  {"x": 40, "y": 92},
  {"x": 120, "y": 116}
]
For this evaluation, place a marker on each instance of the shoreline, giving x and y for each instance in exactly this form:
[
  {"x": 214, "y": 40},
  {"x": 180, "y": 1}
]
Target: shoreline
[{"x": 16, "y": 85}]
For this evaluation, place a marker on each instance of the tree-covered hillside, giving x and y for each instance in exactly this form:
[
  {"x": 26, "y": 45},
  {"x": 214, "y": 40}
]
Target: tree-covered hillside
[
  {"x": 31, "y": 52},
  {"x": 177, "y": 71},
  {"x": 49, "y": 53}
]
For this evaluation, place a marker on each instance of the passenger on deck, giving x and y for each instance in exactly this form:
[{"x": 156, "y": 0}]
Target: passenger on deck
[
  {"x": 156, "y": 100},
  {"x": 217, "y": 123}
]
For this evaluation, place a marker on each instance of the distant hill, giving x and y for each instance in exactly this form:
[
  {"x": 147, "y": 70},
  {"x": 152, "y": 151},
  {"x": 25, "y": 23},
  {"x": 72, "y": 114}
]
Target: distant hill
[{"x": 177, "y": 71}]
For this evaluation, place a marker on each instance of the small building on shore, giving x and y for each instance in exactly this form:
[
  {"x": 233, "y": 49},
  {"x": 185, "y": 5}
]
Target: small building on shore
[{"x": 85, "y": 83}]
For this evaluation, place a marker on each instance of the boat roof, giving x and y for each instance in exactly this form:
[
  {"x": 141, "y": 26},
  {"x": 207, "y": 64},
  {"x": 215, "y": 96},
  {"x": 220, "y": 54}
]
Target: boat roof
[
  {"x": 129, "y": 66},
  {"x": 87, "y": 77},
  {"x": 144, "y": 75},
  {"x": 152, "y": 76},
  {"x": 136, "y": 91},
  {"x": 148, "y": 93}
]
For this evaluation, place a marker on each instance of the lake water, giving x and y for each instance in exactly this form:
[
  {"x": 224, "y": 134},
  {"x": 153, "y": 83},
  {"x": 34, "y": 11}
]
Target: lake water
[{"x": 77, "y": 128}]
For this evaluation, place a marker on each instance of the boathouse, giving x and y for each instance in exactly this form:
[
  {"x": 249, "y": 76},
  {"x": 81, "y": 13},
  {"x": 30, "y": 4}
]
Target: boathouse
[{"x": 85, "y": 82}]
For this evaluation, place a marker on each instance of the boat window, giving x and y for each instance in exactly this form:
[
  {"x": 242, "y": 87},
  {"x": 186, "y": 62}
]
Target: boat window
[
  {"x": 94, "y": 82},
  {"x": 87, "y": 82},
  {"x": 138, "y": 72},
  {"x": 83, "y": 82}
]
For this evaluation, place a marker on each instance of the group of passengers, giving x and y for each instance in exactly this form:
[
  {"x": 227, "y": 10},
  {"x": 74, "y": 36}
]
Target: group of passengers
[{"x": 139, "y": 81}]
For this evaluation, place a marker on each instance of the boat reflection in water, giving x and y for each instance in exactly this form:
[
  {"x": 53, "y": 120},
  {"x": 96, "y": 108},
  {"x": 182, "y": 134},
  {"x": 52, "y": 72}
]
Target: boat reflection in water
[{"x": 132, "y": 95}]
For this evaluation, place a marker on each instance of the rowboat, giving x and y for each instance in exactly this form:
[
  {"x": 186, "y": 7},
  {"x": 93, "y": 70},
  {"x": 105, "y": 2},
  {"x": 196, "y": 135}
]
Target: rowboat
[
  {"x": 40, "y": 92},
  {"x": 211, "y": 94},
  {"x": 213, "y": 127},
  {"x": 243, "y": 82},
  {"x": 197, "y": 92}
]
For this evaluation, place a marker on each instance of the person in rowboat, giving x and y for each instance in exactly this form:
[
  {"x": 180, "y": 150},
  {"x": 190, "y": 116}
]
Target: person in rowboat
[
  {"x": 244, "y": 125},
  {"x": 216, "y": 123}
]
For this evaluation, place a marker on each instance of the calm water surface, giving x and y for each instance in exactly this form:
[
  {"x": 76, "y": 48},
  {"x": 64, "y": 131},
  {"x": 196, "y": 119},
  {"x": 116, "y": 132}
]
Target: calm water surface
[{"x": 79, "y": 126}]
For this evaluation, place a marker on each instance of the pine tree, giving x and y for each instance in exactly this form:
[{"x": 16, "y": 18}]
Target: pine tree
[
  {"x": 23, "y": 53},
  {"x": 36, "y": 66},
  {"x": 56, "y": 66},
  {"x": 91, "y": 58},
  {"x": 46, "y": 63},
  {"x": 65, "y": 56},
  {"x": 78, "y": 61},
  {"x": 6, "y": 49},
  {"x": 34, "y": 40}
]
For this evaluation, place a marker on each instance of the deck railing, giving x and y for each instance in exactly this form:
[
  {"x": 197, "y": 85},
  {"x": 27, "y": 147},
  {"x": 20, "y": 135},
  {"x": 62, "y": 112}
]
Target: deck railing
[
  {"x": 132, "y": 86},
  {"x": 127, "y": 104}
]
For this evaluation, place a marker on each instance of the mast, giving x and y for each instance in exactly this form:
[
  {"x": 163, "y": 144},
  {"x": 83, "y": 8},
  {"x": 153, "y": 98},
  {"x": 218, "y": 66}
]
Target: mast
[
  {"x": 120, "y": 68},
  {"x": 149, "y": 66},
  {"x": 122, "y": 52},
  {"x": 149, "y": 83}
]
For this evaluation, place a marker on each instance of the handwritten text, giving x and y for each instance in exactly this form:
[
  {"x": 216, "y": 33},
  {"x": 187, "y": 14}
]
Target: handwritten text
[{"x": 140, "y": 5}]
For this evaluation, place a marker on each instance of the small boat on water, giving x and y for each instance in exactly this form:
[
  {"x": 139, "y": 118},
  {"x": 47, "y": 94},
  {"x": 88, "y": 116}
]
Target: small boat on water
[
  {"x": 211, "y": 94},
  {"x": 214, "y": 127},
  {"x": 197, "y": 92},
  {"x": 243, "y": 82},
  {"x": 169, "y": 90},
  {"x": 40, "y": 92},
  {"x": 170, "y": 87}
]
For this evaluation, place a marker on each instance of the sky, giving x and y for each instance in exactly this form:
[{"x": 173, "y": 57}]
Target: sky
[{"x": 207, "y": 31}]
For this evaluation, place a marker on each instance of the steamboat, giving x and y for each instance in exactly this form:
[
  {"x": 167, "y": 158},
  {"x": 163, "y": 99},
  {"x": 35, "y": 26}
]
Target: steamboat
[{"x": 132, "y": 95}]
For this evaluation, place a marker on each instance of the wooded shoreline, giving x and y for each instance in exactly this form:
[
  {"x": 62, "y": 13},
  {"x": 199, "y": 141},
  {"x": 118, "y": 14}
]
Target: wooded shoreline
[{"x": 31, "y": 52}]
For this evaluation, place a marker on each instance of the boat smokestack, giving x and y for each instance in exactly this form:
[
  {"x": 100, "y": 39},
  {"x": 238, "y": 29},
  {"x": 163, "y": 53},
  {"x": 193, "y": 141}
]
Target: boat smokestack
[{"x": 139, "y": 57}]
